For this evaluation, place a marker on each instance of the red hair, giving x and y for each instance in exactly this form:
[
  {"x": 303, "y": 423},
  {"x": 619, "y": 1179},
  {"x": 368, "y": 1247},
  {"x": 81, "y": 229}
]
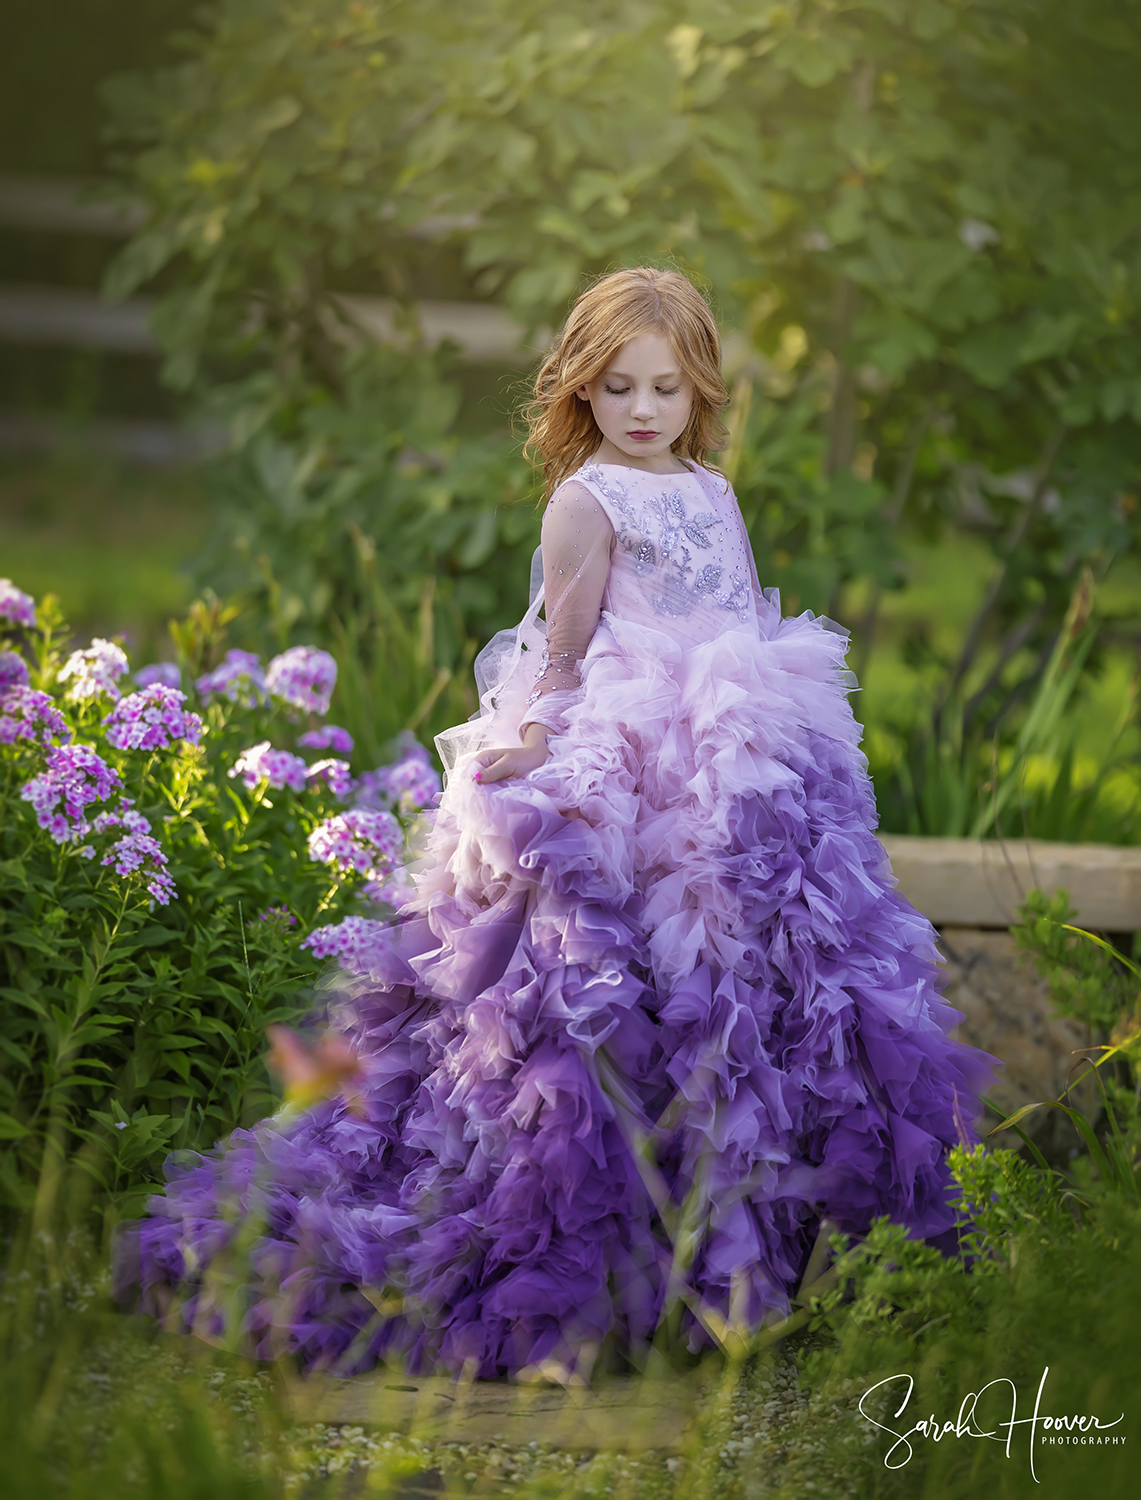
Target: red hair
[{"x": 617, "y": 308}]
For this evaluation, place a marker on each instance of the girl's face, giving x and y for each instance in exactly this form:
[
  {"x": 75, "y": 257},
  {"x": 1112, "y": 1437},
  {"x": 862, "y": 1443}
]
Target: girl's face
[{"x": 641, "y": 403}]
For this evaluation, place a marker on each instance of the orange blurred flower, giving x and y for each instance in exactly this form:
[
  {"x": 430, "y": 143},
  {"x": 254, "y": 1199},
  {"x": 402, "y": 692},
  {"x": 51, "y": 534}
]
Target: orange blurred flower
[{"x": 315, "y": 1072}]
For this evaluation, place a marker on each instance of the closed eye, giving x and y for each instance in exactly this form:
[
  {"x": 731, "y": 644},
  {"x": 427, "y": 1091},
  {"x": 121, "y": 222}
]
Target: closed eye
[{"x": 624, "y": 390}]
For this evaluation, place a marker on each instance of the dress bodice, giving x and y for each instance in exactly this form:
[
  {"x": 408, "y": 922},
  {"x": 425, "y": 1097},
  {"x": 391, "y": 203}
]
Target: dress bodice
[
  {"x": 656, "y": 554},
  {"x": 678, "y": 562}
]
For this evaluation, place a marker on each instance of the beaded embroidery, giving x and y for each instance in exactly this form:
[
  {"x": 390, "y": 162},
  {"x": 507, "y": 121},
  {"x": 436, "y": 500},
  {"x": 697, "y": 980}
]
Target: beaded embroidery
[{"x": 563, "y": 662}]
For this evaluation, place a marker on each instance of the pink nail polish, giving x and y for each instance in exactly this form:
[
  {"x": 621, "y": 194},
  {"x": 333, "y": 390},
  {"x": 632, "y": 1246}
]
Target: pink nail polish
[{"x": 479, "y": 775}]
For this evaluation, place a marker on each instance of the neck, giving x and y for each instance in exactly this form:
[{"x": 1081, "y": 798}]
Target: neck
[{"x": 650, "y": 463}]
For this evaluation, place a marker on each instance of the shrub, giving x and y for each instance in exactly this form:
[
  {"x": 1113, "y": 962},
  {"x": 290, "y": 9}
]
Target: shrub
[{"x": 165, "y": 850}]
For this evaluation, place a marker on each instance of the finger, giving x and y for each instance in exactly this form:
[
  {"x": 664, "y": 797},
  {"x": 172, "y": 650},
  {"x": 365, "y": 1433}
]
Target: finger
[
  {"x": 484, "y": 763},
  {"x": 487, "y": 757},
  {"x": 497, "y": 772}
]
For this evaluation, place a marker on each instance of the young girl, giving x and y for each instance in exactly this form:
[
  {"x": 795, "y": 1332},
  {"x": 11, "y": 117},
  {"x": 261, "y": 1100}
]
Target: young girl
[{"x": 655, "y": 1014}]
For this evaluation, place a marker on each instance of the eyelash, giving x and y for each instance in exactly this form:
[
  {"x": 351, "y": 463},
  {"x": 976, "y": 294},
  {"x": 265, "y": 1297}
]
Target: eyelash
[{"x": 610, "y": 391}]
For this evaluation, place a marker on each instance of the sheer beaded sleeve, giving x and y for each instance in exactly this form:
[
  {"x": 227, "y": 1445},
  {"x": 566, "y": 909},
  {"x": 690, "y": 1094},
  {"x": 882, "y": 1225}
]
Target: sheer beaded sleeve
[{"x": 577, "y": 539}]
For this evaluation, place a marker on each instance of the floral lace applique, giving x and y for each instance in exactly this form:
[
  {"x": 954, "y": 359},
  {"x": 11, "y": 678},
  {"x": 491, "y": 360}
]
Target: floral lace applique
[{"x": 654, "y": 533}]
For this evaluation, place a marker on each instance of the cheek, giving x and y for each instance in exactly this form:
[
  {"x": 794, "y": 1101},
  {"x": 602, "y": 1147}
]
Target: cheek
[{"x": 610, "y": 408}]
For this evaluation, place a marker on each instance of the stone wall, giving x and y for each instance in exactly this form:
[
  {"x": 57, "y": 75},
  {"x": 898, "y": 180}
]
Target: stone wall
[{"x": 1007, "y": 1011}]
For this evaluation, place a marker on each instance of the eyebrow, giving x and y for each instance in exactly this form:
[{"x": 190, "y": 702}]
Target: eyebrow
[{"x": 618, "y": 375}]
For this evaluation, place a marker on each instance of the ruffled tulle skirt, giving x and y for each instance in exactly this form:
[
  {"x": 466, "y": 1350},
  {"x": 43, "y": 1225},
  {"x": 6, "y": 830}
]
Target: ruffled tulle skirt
[{"x": 654, "y": 1012}]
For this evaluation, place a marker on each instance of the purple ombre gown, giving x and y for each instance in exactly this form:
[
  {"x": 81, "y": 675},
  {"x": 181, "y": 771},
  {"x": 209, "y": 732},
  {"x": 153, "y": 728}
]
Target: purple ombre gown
[{"x": 653, "y": 1012}]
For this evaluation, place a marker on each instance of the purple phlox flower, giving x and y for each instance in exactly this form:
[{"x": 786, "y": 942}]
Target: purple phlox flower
[
  {"x": 395, "y": 891},
  {"x": 139, "y": 855},
  {"x": 409, "y": 783},
  {"x": 16, "y": 607},
  {"x": 123, "y": 815},
  {"x": 369, "y": 843},
  {"x": 358, "y": 943},
  {"x": 328, "y": 737},
  {"x": 152, "y": 720},
  {"x": 277, "y": 914},
  {"x": 13, "y": 671},
  {"x": 304, "y": 677},
  {"x": 168, "y": 673},
  {"x": 239, "y": 678},
  {"x": 28, "y": 714},
  {"x": 335, "y": 774},
  {"x": 95, "y": 670},
  {"x": 264, "y": 763},
  {"x": 74, "y": 778}
]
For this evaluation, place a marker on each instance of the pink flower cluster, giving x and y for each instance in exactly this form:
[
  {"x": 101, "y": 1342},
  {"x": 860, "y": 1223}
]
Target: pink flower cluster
[
  {"x": 357, "y": 943},
  {"x": 28, "y": 714},
  {"x": 369, "y": 843},
  {"x": 328, "y": 737},
  {"x": 335, "y": 774},
  {"x": 239, "y": 678},
  {"x": 264, "y": 763},
  {"x": 152, "y": 719},
  {"x": 165, "y": 672},
  {"x": 16, "y": 607},
  {"x": 277, "y": 916},
  {"x": 392, "y": 892},
  {"x": 303, "y": 677},
  {"x": 13, "y": 671},
  {"x": 122, "y": 816},
  {"x": 408, "y": 784},
  {"x": 74, "y": 778},
  {"x": 140, "y": 855},
  {"x": 94, "y": 671}
]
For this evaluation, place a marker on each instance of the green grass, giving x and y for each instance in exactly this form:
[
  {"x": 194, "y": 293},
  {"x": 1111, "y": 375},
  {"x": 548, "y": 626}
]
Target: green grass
[
  {"x": 110, "y": 539},
  {"x": 945, "y": 586}
]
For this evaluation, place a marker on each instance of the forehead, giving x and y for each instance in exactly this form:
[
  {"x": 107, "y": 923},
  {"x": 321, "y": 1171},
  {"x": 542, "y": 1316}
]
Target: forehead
[{"x": 646, "y": 354}]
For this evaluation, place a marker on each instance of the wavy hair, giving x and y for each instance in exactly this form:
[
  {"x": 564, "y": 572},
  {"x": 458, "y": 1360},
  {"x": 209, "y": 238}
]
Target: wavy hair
[{"x": 615, "y": 309}]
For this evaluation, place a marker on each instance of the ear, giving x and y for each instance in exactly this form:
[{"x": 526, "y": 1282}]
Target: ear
[{"x": 582, "y": 393}]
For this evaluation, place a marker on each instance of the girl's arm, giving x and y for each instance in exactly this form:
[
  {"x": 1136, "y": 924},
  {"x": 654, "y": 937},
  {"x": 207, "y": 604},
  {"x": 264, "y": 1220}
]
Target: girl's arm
[{"x": 576, "y": 543}]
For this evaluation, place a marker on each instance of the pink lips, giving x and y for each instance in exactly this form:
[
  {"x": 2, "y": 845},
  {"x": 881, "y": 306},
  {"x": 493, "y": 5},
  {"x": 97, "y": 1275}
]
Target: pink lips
[{"x": 641, "y": 436}]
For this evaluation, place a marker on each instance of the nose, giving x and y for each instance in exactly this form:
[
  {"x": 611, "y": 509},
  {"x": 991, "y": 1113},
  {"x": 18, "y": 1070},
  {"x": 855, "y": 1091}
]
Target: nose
[{"x": 643, "y": 407}]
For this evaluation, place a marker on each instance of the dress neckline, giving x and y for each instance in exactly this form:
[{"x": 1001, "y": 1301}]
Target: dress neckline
[{"x": 649, "y": 473}]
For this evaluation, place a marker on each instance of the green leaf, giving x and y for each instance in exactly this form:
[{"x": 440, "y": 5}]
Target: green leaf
[
  {"x": 277, "y": 115},
  {"x": 990, "y": 354},
  {"x": 814, "y": 59}
]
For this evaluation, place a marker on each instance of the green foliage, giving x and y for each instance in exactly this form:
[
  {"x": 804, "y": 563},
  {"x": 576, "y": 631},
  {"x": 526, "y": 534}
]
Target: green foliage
[
  {"x": 1088, "y": 981},
  {"x": 129, "y": 1028},
  {"x": 381, "y": 462},
  {"x": 813, "y": 532},
  {"x": 1042, "y": 1282},
  {"x": 954, "y": 778}
]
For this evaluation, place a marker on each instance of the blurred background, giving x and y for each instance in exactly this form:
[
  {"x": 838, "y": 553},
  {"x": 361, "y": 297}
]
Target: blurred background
[{"x": 273, "y": 278}]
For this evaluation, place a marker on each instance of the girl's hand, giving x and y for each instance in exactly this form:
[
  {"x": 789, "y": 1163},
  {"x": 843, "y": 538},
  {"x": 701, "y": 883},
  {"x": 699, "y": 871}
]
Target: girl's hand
[{"x": 515, "y": 760}]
